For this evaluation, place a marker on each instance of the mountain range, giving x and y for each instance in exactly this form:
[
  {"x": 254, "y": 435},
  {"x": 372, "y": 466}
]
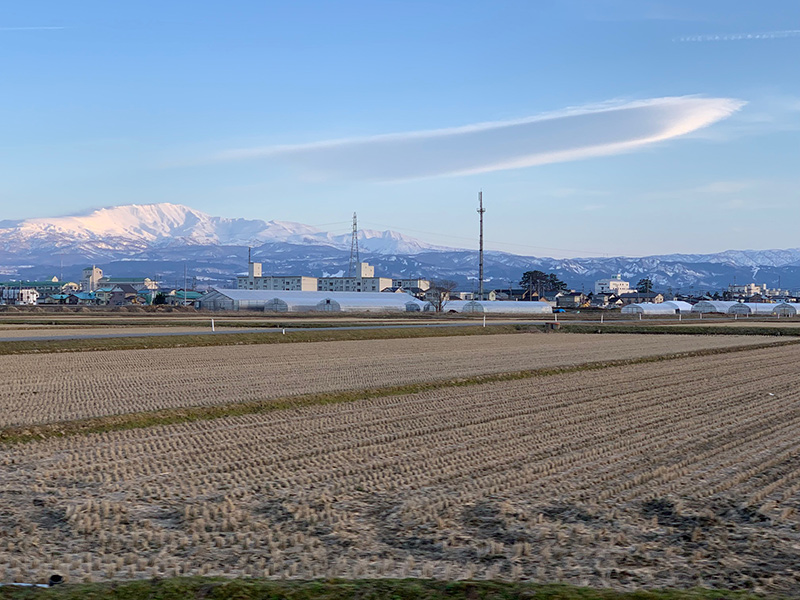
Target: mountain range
[{"x": 159, "y": 240}]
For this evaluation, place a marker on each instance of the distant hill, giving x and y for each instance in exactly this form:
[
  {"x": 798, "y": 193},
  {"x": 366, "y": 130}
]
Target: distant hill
[{"x": 158, "y": 239}]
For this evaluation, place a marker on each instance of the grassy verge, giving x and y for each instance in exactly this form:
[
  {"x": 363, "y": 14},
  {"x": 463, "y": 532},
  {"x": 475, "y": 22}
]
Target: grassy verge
[
  {"x": 190, "y": 588},
  {"x": 234, "y": 339},
  {"x": 171, "y": 416}
]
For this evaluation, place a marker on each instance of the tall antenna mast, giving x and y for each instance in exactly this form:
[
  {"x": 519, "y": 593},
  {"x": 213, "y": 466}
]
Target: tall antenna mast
[
  {"x": 354, "y": 258},
  {"x": 481, "y": 210}
]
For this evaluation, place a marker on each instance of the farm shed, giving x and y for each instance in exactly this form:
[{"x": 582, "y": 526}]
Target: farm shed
[
  {"x": 713, "y": 306},
  {"x": 662, "y": 308},
  {"x": 752, "y": 308},
  {"x": 496, "y": 307},
  {"x": 295, "y": 301}
]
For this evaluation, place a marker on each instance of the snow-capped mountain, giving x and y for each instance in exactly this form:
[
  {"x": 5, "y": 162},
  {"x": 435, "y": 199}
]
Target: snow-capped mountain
[
  {"x": 160, "y": 239},
  {"x": 120, "y": 230}
]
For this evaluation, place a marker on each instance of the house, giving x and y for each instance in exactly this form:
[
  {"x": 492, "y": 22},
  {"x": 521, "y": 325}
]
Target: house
[
  {"x": 512, "y": 294},
  {"x": 59, "y": 299},
  {"x": 85, "y": 298},
  {"x": 462, "y": 295},
  {"x": 103, "y": 295},
  {"x": 604, "y": 300},
  {"x": 183, "y": 298},
  {"x": 137, "y": 283},
  {"x": 639, "y": 297},
  {"x": 571, "y": 300},
  {"x": 117, "y": 295},
  {"x": 411, "y": 283}
]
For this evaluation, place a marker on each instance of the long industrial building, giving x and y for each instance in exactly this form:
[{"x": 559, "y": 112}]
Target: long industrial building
[{"x": 363, "y": 280}]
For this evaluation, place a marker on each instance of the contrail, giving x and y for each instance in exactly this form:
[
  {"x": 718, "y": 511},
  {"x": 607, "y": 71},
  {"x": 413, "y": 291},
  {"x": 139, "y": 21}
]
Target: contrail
[
  {"x": 483, "y": 147},
  {"x": 733, "y": 37},
  {"x": 33, "y": 28}
]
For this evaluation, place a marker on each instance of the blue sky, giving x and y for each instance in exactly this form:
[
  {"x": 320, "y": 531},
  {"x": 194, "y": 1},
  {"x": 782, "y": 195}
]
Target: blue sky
[{"x": 228, "y": 108}]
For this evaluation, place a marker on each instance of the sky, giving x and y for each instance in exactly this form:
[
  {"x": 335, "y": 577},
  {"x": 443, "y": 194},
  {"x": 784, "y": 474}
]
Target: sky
[{"x": 592, "y": 128}]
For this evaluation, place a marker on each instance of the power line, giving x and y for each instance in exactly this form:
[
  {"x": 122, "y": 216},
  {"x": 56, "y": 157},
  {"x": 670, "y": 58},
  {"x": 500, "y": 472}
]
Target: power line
[{"x": 495, "y": 243}]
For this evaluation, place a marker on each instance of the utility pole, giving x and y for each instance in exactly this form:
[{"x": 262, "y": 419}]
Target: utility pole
[{"x": 481, "y": 210}]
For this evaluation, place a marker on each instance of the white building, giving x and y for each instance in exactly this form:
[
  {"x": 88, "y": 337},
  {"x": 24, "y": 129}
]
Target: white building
[
  {"x": 747, "y": 289},
  {"x": 26, "y": 296},
  {"x": 254, "y": 280},
  {"x": 412, "y": 283},
  {"x": 613, "y": 285},
  {"x": 363, "y": 281},
  {"x": 90, "y": 279}
]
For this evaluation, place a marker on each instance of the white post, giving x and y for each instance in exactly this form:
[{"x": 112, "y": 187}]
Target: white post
[
  {"x": 212, "y": 325},
  {"x": 284, "y": 332},
  {"x": 701, "y": 316},
  {"x": 680, "y": 317},
  {"x": 640, "y": 316},
  {"x": 555, "y": 316},
  {"x": 601, "y": 317},
  {"x": 484, "y": 320}
]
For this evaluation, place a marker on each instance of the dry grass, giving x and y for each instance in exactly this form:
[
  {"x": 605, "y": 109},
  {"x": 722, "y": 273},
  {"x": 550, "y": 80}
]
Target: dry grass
[
  {"x": 11, "y": 332},
  {"x": 58, "y": 387},
  {"x": 676, "y": 473}
]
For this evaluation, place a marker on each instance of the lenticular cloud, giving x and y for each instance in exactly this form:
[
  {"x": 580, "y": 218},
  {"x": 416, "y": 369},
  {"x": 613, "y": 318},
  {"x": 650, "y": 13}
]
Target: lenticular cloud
[{"x": 558, "y": 137}]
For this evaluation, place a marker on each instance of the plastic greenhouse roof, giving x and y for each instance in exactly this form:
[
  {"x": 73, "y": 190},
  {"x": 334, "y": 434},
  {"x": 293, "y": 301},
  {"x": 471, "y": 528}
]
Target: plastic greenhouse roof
[
  {"x": 349, "y": 299},
  {"x": 500, "y": 307}
]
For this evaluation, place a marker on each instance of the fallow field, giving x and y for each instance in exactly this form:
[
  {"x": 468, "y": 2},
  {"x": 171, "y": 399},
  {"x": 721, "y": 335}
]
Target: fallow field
[
  {"x": 679, "y": 473},
  {"x": 58, "y": 387}
]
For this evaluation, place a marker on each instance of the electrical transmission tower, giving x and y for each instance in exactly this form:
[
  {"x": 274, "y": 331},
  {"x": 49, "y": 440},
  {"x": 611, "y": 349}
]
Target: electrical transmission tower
[
  {"x": 481, "y": 210},
  {"x": 354, "y": 259}
]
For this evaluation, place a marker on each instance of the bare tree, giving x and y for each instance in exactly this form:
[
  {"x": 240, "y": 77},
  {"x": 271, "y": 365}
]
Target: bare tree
[{"x": 439, "y": 293}]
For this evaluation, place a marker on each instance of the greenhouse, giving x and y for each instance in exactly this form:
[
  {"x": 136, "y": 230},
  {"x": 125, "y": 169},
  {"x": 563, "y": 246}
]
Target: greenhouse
[
  {"x": 786, "y": 309},
  {"x": 516, "y": 308},
  {"x": 495, "y": 307},
  {"x": 293, "y": 301},
  {"x": 752, "y": 308},
  {"x": 671, "y": 307},
  {"x": 713, "y": 306}
]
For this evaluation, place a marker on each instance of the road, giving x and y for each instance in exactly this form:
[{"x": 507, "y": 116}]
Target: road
[{"x": 42, "y": 335}]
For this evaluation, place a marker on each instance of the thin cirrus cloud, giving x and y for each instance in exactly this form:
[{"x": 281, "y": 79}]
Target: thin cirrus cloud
[
  {"x": 735, "y": 37},
  {"x": 31, "y": 28},
  {"x": 557, "y": 137}
]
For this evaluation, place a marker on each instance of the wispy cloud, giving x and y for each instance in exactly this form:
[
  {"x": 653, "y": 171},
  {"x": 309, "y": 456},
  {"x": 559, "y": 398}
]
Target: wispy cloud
[
  {"x": 735, "y": 37},
  {"x": 568, "y": 135},
  {"x": 31, "y": 28}
]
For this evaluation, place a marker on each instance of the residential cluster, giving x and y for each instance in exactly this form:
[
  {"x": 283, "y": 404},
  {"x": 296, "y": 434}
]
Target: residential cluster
[
  {"x": 97, "y": 289},
  {"x": 94, "y": 289}
]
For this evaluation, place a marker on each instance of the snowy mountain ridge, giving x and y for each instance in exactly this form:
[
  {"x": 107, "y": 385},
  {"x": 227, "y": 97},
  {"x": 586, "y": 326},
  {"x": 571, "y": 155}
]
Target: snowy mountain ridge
[
  {"x": 165, "y": 238},
  {"x": 141, "y": 226}
]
